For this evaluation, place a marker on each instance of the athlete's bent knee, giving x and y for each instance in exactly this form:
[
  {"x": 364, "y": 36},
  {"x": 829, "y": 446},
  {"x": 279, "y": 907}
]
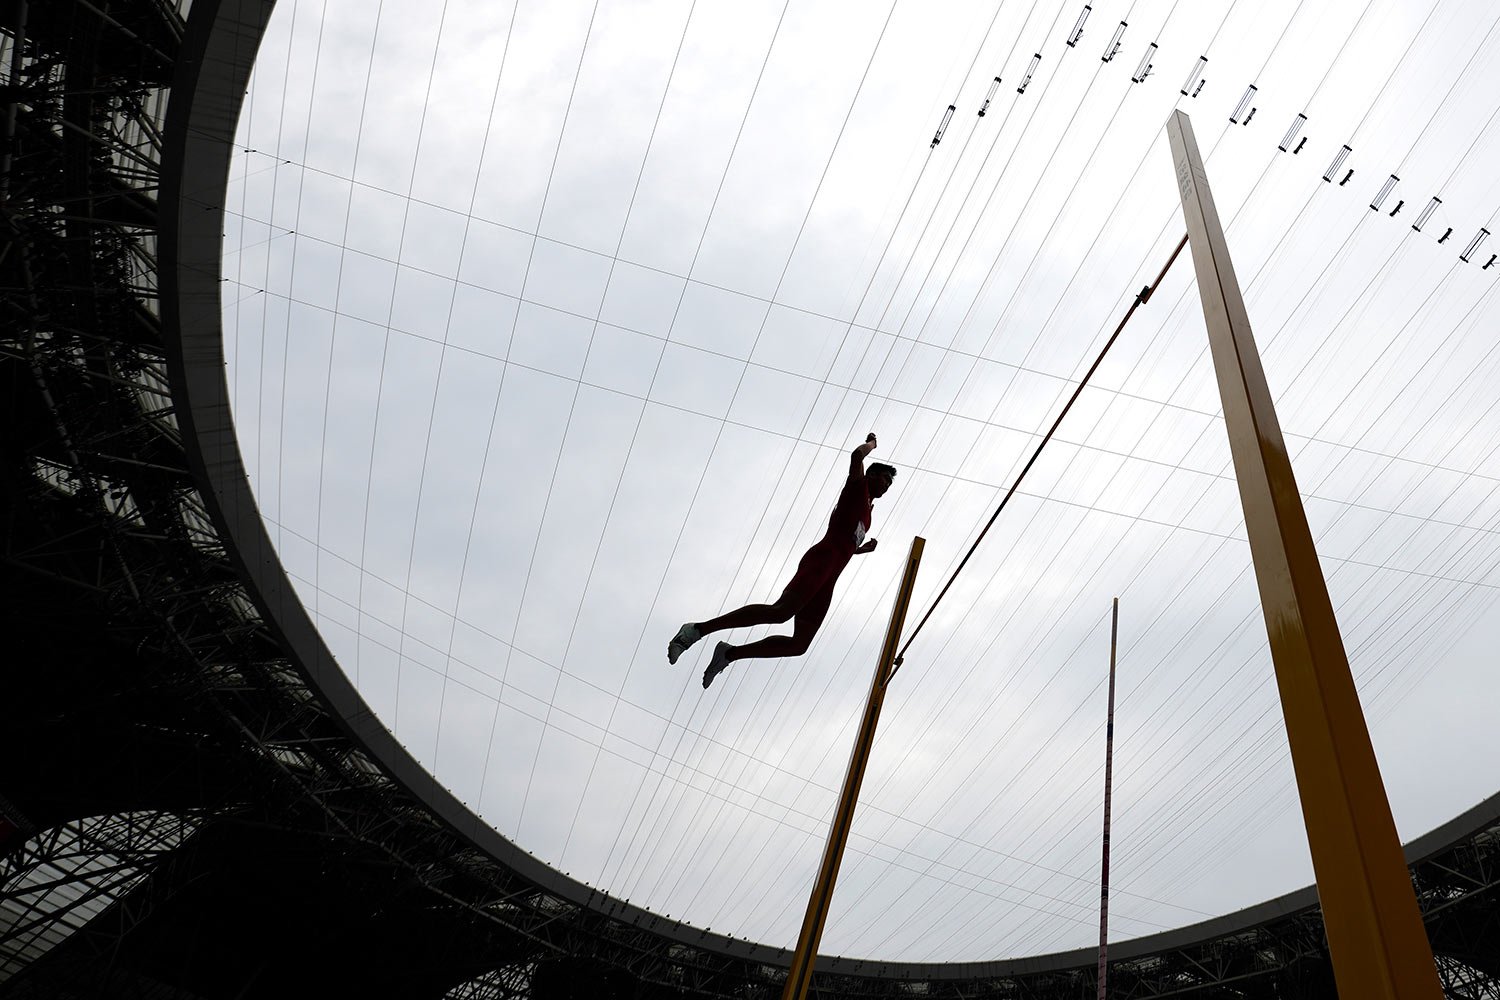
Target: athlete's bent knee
[{"x": 784, "y": 611}]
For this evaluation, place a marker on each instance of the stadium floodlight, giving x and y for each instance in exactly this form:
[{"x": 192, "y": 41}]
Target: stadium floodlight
[
  {"x": 1384, "y": 192},
  {"x": 1239, "y": 109},
  {"x": 989, "y": 97},
  {"x": 1426, "y": 213},
  {"x": 1036, "y": 61},
  {"x": 1113, "y": 48},
  {"x": 1192, "y": 78},
  {"x": 1338, "y": 162},
  {"x": 1144, "y": 69},
  {"x": 1479, "y": 238},
  {"x": 943, "y": 127},
  {"x": 1077, "y": 31},
  {"x": 1291, "y": 132}
]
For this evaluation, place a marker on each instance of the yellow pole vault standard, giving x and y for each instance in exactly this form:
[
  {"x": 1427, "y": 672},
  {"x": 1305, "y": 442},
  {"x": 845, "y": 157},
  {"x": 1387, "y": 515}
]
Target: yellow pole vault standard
[
  {"x": 800, "y": 975},
  {"x": 1379, "y": 948}
]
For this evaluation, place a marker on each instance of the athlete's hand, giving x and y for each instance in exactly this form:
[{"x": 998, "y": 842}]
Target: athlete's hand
[
  {"x": 870, "y": 440},
  {"x": 869, "y": 546}
]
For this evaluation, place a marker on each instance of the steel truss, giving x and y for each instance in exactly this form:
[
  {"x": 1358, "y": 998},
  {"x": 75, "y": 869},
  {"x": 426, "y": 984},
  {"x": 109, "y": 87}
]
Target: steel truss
[
  {"x": 58, "y": 882},
  {"x": 171, "y": 773}
]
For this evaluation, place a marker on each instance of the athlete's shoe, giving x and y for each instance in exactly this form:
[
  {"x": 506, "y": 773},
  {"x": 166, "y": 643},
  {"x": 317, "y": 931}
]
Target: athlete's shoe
[
  {"x": 682, "y": 641},
  {"x": 717, "y": 664}
]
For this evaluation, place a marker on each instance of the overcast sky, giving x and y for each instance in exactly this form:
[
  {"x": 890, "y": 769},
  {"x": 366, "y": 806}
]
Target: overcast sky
[{"x": 550, "y": 328}]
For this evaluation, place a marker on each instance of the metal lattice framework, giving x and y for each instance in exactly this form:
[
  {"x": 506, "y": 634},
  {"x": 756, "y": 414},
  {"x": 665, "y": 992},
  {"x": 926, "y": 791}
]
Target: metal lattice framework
[{"x": 195, "y": 799}]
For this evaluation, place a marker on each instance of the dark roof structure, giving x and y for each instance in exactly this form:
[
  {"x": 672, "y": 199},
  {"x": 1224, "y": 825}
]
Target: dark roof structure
[{"x": 194, "y": 800}]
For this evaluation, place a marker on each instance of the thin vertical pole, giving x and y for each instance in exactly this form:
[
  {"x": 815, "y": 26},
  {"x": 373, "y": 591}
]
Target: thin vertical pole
[
  {"x": 1109, "y": 771},
  {"x": 800, "y": 975},
  {"x": 1379, "y": 948}
]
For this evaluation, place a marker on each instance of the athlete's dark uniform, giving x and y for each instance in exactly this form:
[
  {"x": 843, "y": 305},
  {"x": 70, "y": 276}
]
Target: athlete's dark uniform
[{"x": 810, "y": 591}]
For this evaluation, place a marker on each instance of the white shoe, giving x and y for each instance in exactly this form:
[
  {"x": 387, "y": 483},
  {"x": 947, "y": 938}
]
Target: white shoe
[
  {"x": 682, "y": 641},
  {"x": 717, "y": 664}
]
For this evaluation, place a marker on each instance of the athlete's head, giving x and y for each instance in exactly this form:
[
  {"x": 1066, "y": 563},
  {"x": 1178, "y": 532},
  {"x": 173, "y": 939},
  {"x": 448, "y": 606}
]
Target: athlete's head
[{"x": 879, "y": 478}]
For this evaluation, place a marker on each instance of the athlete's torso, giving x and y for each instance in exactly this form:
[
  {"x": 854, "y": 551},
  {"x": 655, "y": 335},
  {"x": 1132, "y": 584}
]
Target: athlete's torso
[{"x": 850, "y": 521}]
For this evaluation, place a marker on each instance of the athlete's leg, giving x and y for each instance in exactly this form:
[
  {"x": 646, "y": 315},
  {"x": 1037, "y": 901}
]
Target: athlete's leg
[
  {"x": 813, "y": 571},
  {"x": 809, "y": 619},
  {"x": 816, "y": 572},
  {"x": 751, "y": 614}
]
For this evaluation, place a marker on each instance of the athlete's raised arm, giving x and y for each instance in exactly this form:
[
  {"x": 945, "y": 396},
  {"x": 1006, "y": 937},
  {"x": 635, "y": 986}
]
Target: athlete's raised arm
[{"x": 857, "y": 456}]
